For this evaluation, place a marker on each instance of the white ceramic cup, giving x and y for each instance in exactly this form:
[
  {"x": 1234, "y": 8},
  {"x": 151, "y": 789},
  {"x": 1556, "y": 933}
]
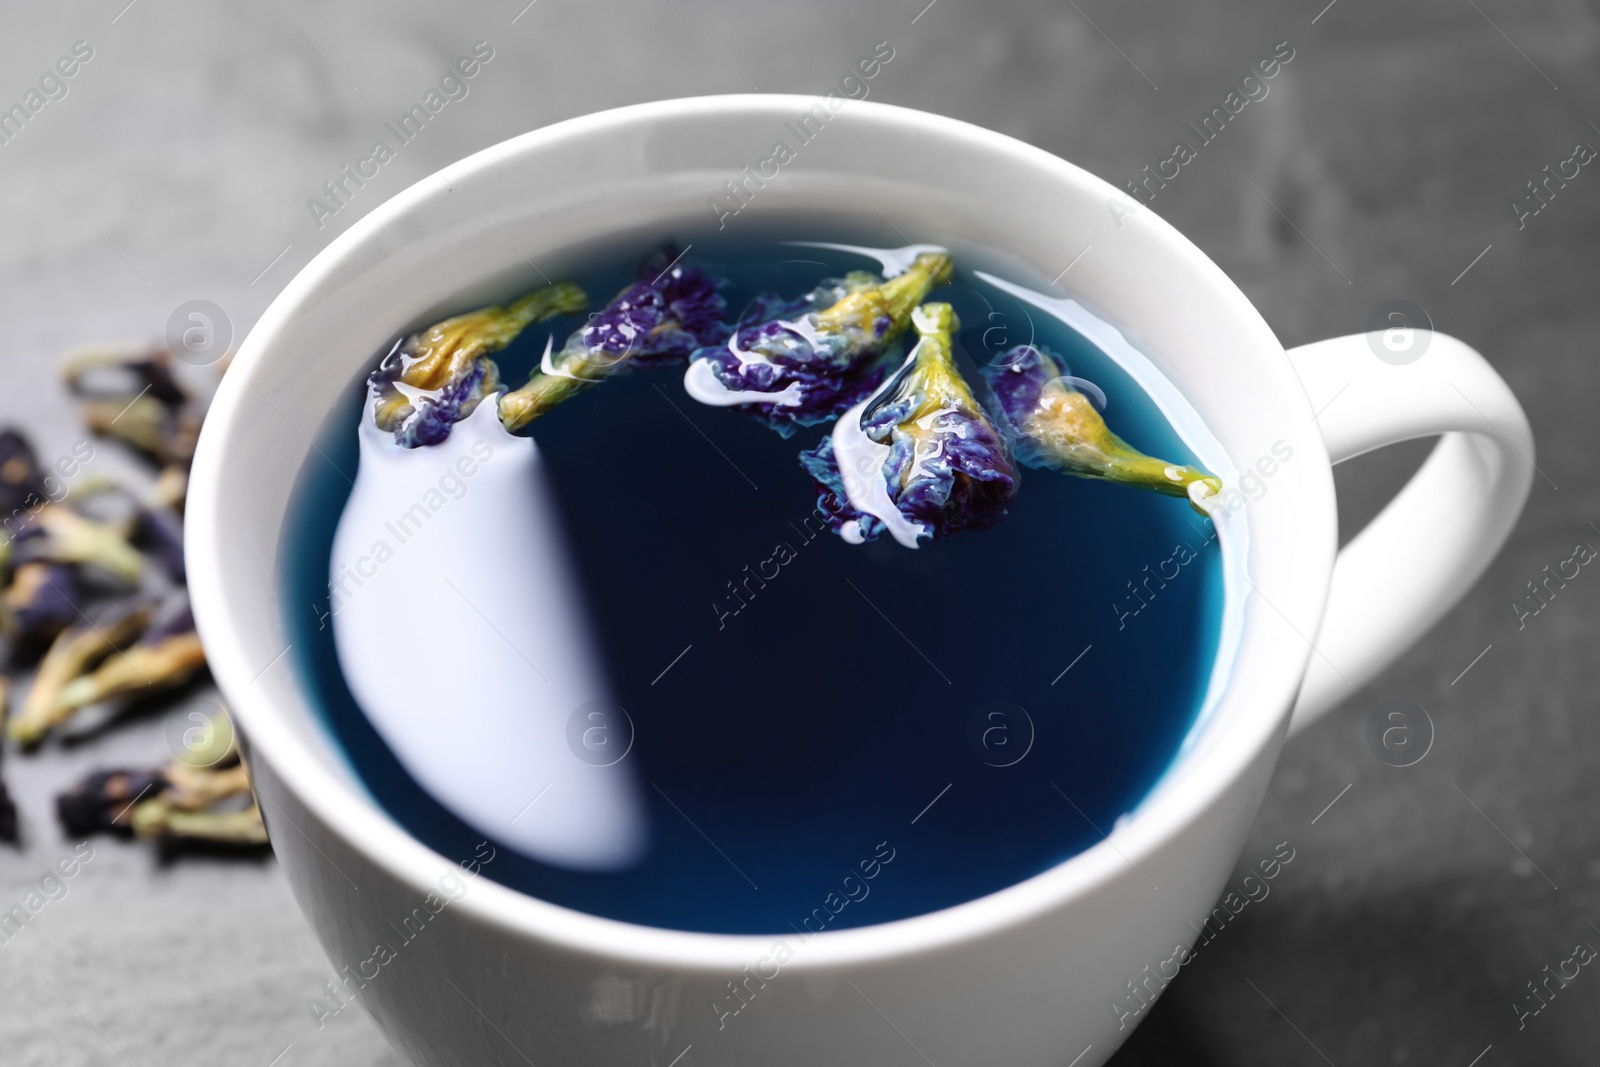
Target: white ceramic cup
[{"x": 1030, "y": 975}]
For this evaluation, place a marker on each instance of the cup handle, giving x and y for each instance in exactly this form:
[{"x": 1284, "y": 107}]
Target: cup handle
[{"x": 1437, "y": 536}]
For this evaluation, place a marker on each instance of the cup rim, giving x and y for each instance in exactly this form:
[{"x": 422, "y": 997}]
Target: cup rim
[{"x": 364, "y": 828}]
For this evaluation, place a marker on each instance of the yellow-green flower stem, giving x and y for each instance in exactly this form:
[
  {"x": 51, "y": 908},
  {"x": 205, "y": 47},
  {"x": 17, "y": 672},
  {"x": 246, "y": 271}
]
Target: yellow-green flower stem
[
  {"x": 1071, "y": 436},
  {"x": 934, "y": 379},
  {"x": 858, "y": 312},
  {"x": 576, "y": 370}
]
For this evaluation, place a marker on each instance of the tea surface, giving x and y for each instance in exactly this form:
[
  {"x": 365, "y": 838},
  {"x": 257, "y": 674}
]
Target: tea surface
[{"x": 953, "y": 718}]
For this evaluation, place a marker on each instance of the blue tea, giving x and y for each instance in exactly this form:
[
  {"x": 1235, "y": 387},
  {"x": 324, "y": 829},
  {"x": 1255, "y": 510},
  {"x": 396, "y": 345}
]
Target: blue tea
[{"x": 882, "y": 617}]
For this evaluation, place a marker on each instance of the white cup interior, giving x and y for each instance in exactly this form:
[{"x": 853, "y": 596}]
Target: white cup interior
[{"x": 470, "y": 234}]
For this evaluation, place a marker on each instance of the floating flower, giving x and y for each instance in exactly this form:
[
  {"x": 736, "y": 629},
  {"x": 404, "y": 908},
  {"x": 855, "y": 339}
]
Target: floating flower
[
  {"x": 660, "y": 321},
  {"x": 667, "y": 315},
  {"x": 816, "y": 356},
  {"x": 436, "y": 377},
  {"x": 920, "y": 458},
  {"x": 1055, "y": 426}
]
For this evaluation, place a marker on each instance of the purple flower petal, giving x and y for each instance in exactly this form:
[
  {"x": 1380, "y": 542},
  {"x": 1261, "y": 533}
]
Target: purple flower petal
[{"x": 945, "y": 467}]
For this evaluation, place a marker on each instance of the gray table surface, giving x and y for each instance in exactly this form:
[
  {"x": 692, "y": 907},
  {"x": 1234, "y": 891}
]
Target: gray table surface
[{"x": 1383, "y": 161}]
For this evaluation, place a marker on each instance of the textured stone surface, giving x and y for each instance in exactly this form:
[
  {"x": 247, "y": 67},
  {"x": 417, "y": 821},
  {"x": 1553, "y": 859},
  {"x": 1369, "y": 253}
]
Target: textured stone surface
[{"x": 178, "y": 167}]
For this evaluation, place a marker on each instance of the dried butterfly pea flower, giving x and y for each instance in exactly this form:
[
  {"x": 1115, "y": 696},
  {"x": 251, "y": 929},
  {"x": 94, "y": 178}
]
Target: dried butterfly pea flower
[
  {"x": 159, "y": 819},
  {"x": 8, "y": 816},
  {"x": 771, "y": 307},
  {"x": 163, "y": 433},
  {"x": 109, "y": 372},
  {"x": 148, "y": 524},
  {"x": 105, "y": 800},
  {"x": 921, "y": 457},
  {"x": 1055, "y": 426},
  {"x": 436, "y": 377},
  {"x": 60, "y": 535},
  {"x": 21, "y": 480},
  {"x": 142, "y": 422},
  {"x": 202, "y": 804},
  {"x": 196, "y": 805},
  {"x": 8, "y": 808},
  {"x": 41, "y": 601},
  {"x": 664, "y": 319},
  {"x": 810, "y": 363},
  {"x": 171, "y": 487},
  {"x": 110, "y": 800},
  {"x": 192, "y": 788},
  {"x": 75, "y": 651},
  {"x": 167, "y": 656},
  {"x": 160, "y": 534},
  {"x": 130, "y": 394}
]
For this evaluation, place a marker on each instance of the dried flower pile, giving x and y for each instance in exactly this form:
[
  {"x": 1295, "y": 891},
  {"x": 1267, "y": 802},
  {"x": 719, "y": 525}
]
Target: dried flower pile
[{"x": 93, "y": 599}]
